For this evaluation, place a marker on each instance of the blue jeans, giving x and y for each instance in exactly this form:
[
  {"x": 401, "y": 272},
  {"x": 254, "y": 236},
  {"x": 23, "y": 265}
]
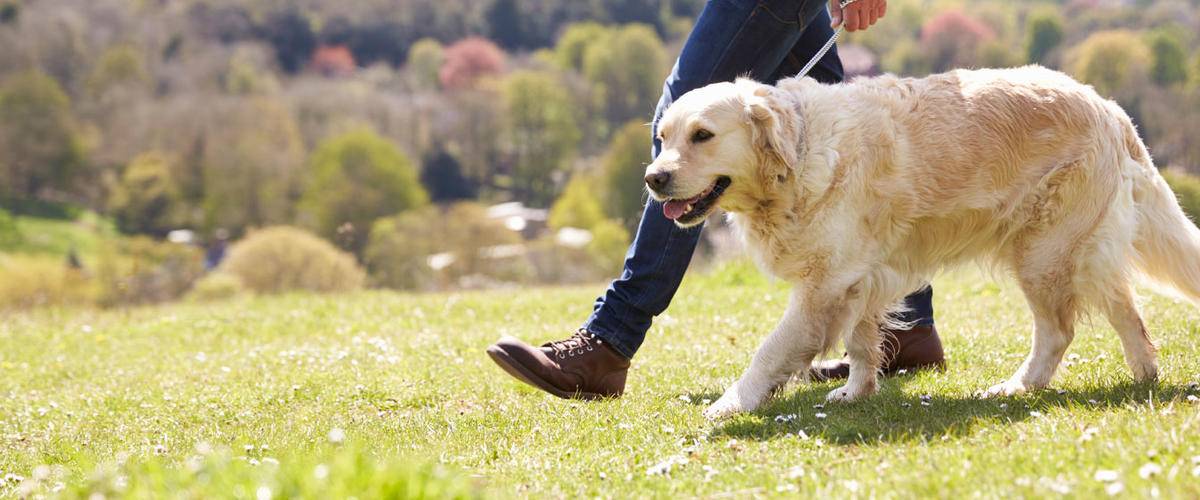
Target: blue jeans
[{"x": 767, "y": 40}]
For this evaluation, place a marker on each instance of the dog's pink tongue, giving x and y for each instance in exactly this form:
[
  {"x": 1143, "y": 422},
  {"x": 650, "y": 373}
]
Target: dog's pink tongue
[{"x": 673, "y": 209}]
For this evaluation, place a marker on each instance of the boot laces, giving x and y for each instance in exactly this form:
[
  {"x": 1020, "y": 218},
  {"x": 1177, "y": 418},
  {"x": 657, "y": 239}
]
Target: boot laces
[{"x": 578, "y": 343}]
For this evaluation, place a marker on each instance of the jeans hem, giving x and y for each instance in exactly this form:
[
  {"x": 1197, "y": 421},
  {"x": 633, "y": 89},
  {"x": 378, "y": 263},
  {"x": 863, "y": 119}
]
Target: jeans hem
[{"x": 608, "y": 336}]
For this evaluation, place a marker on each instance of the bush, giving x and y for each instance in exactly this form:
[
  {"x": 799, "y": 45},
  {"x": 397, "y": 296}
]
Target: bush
[
  {"x": 216, "y": 286},
  {"x": 140, "y": 270},
  {"x": 1187, "y": 191},
  {"x": 1044, "y": 34},
  {"x": 35, "y": 281},
  {"x": 609, "y": 243},
  {"x": 578, "y": 206},
  {"x": 623, "y": 171},
  {"x": 281, "y": 258},
  {"x": 146, "y": 199},
  {"x": 399, "y": 249}
]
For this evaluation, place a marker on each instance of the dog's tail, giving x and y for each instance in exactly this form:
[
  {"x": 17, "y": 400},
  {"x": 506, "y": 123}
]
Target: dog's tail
[{"x": 1167, "y": 242}]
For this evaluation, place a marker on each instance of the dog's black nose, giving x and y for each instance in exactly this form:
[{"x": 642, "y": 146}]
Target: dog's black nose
[{"x": 657, "y": 181}]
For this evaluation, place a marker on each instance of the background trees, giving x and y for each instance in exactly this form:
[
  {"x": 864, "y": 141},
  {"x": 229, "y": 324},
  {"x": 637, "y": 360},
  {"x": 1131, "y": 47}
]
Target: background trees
[{"x": 355, "y": 178}]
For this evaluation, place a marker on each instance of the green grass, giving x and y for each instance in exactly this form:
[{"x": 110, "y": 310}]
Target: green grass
[
  {"x": 57, "y": 237},
  {"x": 247, "y": 398}
]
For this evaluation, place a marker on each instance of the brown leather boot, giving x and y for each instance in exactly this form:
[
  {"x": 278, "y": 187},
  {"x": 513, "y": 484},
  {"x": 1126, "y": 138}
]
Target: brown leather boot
[
  {"x": 913, "y": 349},
  {"x": 579, "y": 367}
]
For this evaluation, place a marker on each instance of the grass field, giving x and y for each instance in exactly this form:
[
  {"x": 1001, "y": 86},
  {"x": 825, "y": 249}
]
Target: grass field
[{"x": 381, "y": 394}]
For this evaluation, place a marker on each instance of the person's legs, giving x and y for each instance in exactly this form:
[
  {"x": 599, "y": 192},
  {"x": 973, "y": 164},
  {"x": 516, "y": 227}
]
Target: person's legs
[{"x": 730, "y": 39}]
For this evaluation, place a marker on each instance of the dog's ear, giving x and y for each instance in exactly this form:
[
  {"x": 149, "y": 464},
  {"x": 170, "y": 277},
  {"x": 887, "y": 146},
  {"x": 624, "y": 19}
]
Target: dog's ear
[{"x": 774, "y": 127}]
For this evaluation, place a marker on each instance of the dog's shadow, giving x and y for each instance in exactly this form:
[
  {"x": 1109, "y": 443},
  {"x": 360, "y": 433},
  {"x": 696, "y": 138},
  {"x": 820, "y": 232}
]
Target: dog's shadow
[{"x": 893, "y": 415}]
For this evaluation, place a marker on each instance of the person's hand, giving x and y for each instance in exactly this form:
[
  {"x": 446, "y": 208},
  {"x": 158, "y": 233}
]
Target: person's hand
[{"x": 858, "y": 15}]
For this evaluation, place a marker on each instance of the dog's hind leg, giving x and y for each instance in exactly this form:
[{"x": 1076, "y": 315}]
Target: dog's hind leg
[
  {"x": 1122, "y": 314},
  {"x": 863, "y": 349}
]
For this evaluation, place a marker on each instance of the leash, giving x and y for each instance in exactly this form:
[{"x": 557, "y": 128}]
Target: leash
[{"x": 828, "y": 45}]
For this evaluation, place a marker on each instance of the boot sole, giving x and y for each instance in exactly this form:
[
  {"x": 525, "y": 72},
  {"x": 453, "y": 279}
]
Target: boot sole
[{"x": 519, "y": 372}]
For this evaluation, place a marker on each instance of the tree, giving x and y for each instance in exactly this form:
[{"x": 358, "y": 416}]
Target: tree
[
  {"x": 952, "y": 40},
  {"x": 40, "y": 146},
  {"x": 573, "y": 43},
  {"x": 1045, "y": 33},
  {"x": 355, "y": 178},
  {"x": 626, "y": 70},
  {"x": 578, "y": 206},
  {"x": 443, "y": 178},
  {"x": 468, "y": 60},
  {"x": 333, "y": 61},
  {"x": 252, "y": 164},
  {"x": 1169, "y": 59},
  {"x": 1110, "y": 61},
  {"x": 425, "y": 58},
  {"x": 506, "y": 24},
  {"x": 543, "y": 134},
  {"x": 622, "y": 173},
  {"x": 146, "y": 200},
  {"x": 291, "y": 34}
]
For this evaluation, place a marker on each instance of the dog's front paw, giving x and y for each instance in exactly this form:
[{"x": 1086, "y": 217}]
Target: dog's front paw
[
  {"x": 1007, "y": 388},
  {"x": 847, "y": 393},
  {"x": 728, "y": 405}
]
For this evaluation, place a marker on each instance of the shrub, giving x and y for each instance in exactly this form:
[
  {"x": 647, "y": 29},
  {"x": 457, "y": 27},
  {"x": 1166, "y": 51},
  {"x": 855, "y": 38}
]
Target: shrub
[
  {"x": 578, "y": 206},
  {"x": 1187, "y": 191},
  {"x": 1169, "y": 63},
  {"x": 279, "y": 259},
  {"x": 146, "y": 199},
  {"x": 609, "y": 243},
  {"x": 140, "y": 270},
  {"x": 35, "y": 281},
  {"x": 358, "y": 177},
  {"x": 10, "y": 234},
  {"x": 216, "y": 286},
  {"x": 399, "y": 249}
]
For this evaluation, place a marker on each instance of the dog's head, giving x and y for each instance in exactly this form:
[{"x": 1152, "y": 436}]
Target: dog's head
[{"x": 726, "y": 144}]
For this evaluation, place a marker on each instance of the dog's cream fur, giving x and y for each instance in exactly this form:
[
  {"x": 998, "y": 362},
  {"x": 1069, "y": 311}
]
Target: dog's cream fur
[{"x": 859, "y": 193}]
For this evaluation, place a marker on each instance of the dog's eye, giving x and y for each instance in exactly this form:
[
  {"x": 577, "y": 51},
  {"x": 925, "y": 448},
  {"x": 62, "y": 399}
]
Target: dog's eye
[{"x": 701, "y": 135}]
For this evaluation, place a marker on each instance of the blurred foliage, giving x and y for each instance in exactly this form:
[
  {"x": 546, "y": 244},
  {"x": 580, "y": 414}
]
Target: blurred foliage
[
  {"x": 28, "y": 281},
  {"x": 623, "y": 171},
  {"x": 355, "y": 178},
  {"x": 542, "y": 132},
  {"x": 281, "y": 259},
  {"x": 473, "y": 245},
  {"x": 442, "y": 175},
  {"x": 146, "y": 200},
  {"x": 40, "y": 144},
  {"x": 1110, "y": 60},
  {"x": 10, "y": 234},
  {"x": 609, "y": 243},
  {"x": 579, "y": 206},
  {"x": 468, "y": 60},
  {"x": 424, "y": 61},
  {"x": 1187, "y": 191},
  {"x": 1043, "y": 35},
  {"x": 952, "y": 39},
  {"x": 216, "y": 286},
  {"x": 625, "y": 68},
  {"x": 140, "y": 270},
  {"x": 1169, "y": 63}
]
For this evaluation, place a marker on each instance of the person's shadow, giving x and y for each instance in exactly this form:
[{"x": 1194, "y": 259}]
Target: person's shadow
[{"x": 892, "y": 415}]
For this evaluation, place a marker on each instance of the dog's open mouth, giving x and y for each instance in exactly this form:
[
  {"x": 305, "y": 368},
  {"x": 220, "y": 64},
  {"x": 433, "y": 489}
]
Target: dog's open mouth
[{"x": 685, "y": 211}]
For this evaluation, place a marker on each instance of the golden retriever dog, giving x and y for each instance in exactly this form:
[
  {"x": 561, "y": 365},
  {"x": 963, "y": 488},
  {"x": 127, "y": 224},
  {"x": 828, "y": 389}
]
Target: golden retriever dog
[{"x": 858, "y": 193}]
